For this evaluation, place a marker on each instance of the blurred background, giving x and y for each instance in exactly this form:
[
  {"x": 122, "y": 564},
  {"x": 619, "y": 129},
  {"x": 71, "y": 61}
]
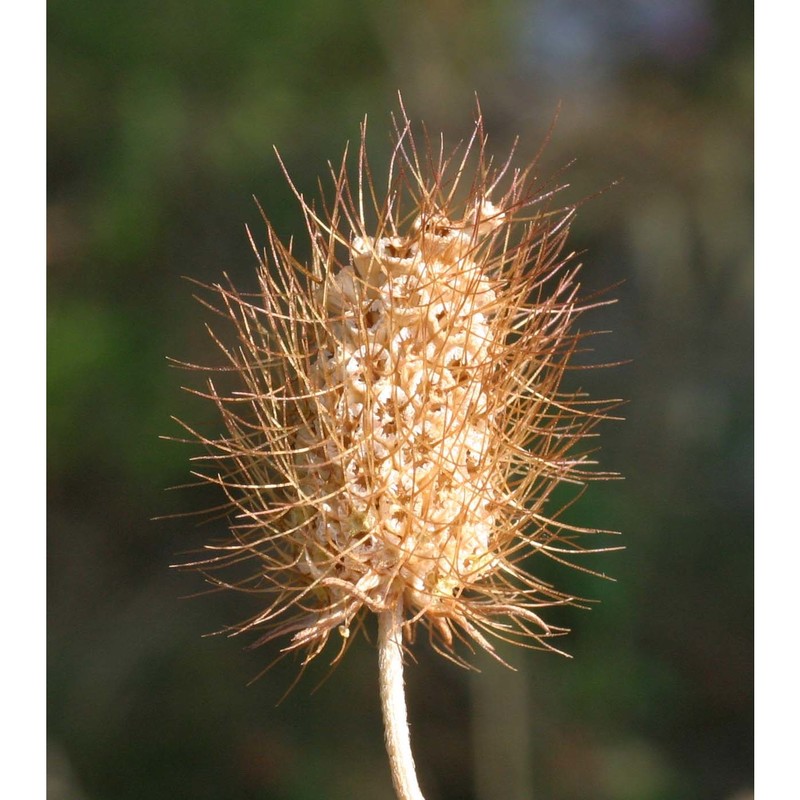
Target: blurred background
[{"x": 161, "y": 121}]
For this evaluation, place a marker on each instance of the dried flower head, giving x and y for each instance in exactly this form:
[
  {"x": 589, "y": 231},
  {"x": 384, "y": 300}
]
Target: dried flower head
[{"x": 399, "y": 424}]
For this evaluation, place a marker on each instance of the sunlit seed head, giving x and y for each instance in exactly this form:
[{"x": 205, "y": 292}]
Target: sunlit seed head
[{"x": 399, "y": 424}]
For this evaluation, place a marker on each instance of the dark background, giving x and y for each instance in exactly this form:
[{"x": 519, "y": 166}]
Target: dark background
[{"x": 161, "y": 121}]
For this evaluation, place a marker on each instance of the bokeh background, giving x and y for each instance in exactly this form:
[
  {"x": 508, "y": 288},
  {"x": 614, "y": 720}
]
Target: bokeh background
[{"x": 161, "y": 121}]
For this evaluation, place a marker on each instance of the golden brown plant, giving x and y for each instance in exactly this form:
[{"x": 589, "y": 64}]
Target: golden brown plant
[{"x": 395, "y": 422}]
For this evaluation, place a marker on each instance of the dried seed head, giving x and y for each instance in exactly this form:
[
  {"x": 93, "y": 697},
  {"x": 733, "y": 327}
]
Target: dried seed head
[{"x": 398, "y": 424}]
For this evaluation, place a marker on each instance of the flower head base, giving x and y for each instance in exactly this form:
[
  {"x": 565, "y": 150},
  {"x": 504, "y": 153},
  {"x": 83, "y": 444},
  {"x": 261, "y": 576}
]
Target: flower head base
[{"x": 399, "y": 426}]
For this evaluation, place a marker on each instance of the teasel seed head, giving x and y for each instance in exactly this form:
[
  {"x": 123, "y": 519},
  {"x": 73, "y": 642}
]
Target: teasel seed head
[{"x": 395, "y": 422}]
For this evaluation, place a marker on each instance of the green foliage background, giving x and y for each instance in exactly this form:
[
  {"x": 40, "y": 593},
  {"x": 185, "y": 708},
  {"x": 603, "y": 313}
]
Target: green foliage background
[{"x": 161, "y": 121}]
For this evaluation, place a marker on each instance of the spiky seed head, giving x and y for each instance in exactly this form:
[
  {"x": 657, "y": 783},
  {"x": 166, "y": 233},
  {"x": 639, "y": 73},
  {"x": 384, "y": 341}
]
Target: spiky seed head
[{"x": 398, "y": 424}]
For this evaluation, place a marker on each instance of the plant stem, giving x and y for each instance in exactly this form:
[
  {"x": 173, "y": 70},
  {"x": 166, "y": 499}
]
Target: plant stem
[{"x": 393, "y": 703}]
